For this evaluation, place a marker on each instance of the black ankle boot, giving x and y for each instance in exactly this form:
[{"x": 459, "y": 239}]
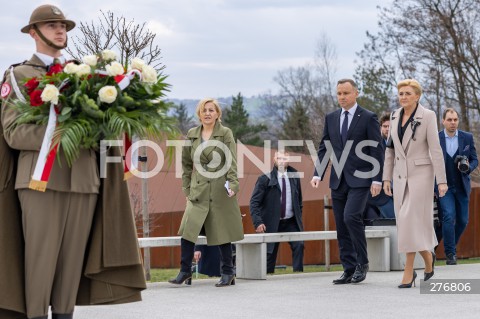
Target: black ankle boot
[
  {"x": 62, "y": 316},
  {"x": 226, "y": 280},
  {"x": 182, "y": 277}
]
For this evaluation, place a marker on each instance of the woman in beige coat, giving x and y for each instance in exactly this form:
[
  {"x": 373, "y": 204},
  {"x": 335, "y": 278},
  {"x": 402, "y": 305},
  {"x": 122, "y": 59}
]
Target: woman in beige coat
[
  {"x": 413, "y": 160},
  {"x": 210, "y": 183}
]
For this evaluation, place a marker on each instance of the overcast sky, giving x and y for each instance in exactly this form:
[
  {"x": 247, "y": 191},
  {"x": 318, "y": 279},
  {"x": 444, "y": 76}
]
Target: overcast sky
[{"x": 218, "y": 47}]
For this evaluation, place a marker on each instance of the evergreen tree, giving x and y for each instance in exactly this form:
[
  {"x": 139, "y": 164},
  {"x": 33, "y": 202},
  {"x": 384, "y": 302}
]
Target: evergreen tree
[
  {"x": 296, "y": 126},
  {"x": 184, "y": 121},
  {"x": 236, "y": 118}
]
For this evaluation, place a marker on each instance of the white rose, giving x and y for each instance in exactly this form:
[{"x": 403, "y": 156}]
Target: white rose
[
  {"x": 137, "y": 63},
  {"x": 108, "y": 55},
  {"x": 90, "y": 60},
  {"x": 50, "y": 94},
  {"x": 83, "y": 69},
  {"x": 107, "y": 94},
  {"x": 70, "y": 68},
  {"x": 114, "y": 69},
  {"x": 149, "y": 74}
]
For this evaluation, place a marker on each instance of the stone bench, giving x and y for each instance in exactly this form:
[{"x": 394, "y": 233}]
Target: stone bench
[
  {"x": 252, "y": 251},
  {"x": 251, "y": 260}
]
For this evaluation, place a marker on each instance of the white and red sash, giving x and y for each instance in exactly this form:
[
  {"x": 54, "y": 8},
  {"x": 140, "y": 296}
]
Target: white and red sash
[
  {"x": 46, "y": 158},
  {"x": 131, "y": 158}
]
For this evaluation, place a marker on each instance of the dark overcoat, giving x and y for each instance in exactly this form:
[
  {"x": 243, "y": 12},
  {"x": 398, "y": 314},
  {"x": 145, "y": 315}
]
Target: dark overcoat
[{"x": 265, "y": 202}]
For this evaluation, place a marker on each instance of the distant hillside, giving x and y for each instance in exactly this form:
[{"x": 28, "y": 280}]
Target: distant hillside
[{"x": 252, "y": 104}]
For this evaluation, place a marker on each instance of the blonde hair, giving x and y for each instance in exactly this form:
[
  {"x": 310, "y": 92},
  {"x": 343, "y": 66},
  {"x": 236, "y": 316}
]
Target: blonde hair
[
  {"x": 412, "y": 83},
  {"x": 202, "y": 103}
]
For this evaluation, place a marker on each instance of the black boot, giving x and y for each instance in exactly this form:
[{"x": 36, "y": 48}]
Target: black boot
[
  {"x": 182, "y": 277},
  {"x": 226, "y": 280},
  {"x": 226, "y": 258},
  {"x": 185, "y": 274},
  {"x": 62, "y": 316}
]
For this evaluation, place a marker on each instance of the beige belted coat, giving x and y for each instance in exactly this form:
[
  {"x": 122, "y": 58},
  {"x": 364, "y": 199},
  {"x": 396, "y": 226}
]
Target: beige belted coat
[{"x": 412, "y": 166}]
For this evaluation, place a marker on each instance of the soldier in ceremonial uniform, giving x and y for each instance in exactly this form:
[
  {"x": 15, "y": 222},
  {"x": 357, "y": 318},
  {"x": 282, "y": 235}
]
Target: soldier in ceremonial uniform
[{"x": 60, "y": 268}]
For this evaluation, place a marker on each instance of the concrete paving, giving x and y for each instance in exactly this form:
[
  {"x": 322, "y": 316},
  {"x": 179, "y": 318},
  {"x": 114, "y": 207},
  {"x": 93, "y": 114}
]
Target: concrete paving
[{"x": 310, "y": 295}]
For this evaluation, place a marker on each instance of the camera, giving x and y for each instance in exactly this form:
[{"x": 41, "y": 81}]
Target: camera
[{"x": 462, "y": 159}]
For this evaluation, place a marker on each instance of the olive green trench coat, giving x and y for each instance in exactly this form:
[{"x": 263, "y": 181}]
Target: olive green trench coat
[{"x": 206, "y": 168}]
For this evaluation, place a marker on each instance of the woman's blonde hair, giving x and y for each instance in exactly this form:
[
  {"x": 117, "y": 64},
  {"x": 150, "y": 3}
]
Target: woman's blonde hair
[
  {"x": 412, "y": 83},
  {"x": 202, "y": 103}
]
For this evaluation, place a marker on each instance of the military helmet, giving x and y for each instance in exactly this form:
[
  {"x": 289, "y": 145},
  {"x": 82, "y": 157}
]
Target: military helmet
[{"x": 47, "y": 13}]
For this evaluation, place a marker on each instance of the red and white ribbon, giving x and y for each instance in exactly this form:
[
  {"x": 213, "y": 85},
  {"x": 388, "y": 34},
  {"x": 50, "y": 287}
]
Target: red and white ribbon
[
  {"x": 131, "y": 158},
  {"x": 46, "y": 158},
  {"x": 123, "y": 81}
]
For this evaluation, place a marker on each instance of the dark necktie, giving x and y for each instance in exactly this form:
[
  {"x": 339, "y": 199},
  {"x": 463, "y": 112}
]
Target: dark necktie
[
  {"x": 56, "y": 61},
  {"x": 284, "y": 197},
  {"x": 345, "y": 127}
]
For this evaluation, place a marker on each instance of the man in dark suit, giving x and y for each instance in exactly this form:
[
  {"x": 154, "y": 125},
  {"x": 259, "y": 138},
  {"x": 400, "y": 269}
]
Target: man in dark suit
[
  {"x": 358, "y": 172},
  {"x": 276, "y": 206},
  {"x": 454, "y": 204},
  {"x": 385, "y": 127}
]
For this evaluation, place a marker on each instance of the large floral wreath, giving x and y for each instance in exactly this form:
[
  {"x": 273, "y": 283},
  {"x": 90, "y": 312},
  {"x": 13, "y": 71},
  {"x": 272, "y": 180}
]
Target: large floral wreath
[{"x": 97, "y": 99}]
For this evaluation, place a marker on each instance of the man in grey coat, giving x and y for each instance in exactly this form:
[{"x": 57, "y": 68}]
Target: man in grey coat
[{"x": 276, "y": 206}]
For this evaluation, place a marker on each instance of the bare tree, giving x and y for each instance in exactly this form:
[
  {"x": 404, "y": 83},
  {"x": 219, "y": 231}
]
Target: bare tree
[
  {"x": 273, "y": 114},
  {"x": 436, "y": 42},
  {"x": 326, "y": 60},
  {"x": 145, "y": 223},
  {"x": 305, "y": 96},
  {"x": 299, "y": 87},
  {"x": 129, "y": 38}
]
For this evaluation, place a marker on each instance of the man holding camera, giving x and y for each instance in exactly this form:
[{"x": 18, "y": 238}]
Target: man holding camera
[{"x": 460, "y": 160}]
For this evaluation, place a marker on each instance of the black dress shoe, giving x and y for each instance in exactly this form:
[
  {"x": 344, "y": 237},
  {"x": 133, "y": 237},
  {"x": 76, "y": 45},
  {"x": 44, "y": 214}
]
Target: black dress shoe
[
  {"x": 62, "y": 316},
  {"x": 409, "y": 285},
  {"x": 360, "y": 273},
  {"x": 181, "y": 278},
  {"x": 451, "y": 259},
  {"x": 226, "y": 280},
  {"x": 345, "y": 278}
]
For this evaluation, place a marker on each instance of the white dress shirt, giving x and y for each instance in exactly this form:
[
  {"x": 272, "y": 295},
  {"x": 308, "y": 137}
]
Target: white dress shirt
[
  {"x": 47, "y": 59},
  {"x": 451, "y": 143},
  {"x": 351, "y": 112}
]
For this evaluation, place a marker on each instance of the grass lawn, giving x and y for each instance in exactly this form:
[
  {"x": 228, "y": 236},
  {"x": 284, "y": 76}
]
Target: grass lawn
[{"x": 159, "y": 275}]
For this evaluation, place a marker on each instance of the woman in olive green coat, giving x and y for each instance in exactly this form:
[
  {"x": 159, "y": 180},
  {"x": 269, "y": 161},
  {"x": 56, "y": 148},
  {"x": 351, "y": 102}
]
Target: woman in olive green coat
[{"x": 210, "y": 183}]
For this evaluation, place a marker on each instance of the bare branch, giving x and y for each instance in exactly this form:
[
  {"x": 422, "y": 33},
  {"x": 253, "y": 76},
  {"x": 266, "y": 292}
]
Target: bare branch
[{"x": 127, "y": 37}]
